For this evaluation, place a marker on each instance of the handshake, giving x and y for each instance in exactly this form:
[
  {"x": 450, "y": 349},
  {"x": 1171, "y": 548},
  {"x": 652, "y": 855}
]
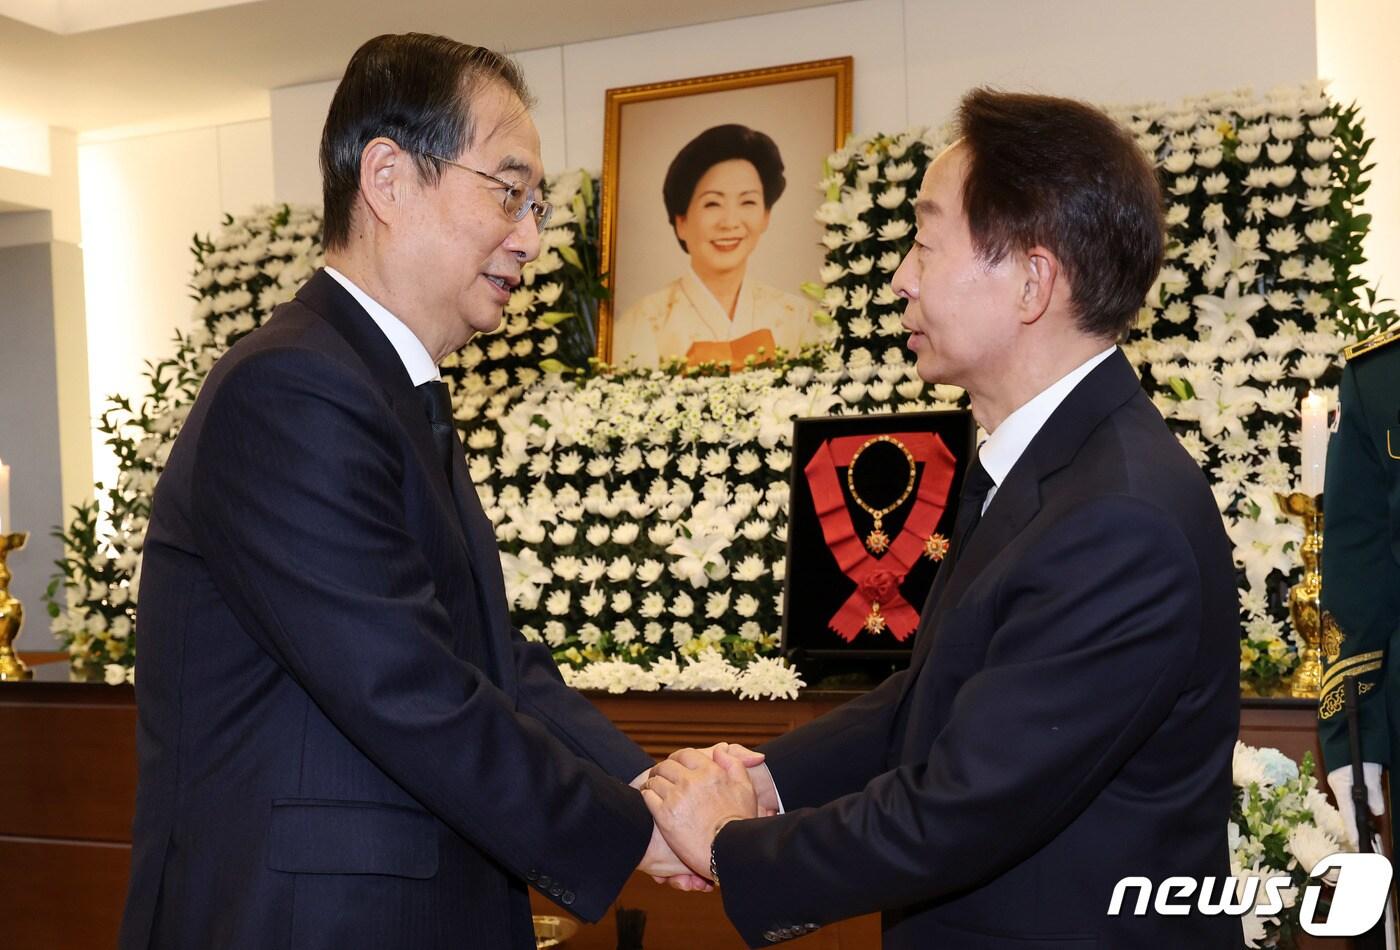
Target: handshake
[{"x": 692, "y": 795}]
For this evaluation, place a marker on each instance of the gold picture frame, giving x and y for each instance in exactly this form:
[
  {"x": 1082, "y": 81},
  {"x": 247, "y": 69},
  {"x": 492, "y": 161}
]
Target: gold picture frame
[{"x": 630, "y": 109}]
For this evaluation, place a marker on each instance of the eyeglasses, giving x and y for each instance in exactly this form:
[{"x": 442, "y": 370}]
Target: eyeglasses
[{"x": 517, "y": 200}]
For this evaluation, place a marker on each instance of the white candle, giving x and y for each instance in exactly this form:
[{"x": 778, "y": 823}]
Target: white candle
[
  {"x": 1314, "y": 442},
  {"x": 4, "y": 496}
]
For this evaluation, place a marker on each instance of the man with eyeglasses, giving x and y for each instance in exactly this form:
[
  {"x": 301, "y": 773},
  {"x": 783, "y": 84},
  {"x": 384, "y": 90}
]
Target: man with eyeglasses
[{"x": 342, "y": 741}]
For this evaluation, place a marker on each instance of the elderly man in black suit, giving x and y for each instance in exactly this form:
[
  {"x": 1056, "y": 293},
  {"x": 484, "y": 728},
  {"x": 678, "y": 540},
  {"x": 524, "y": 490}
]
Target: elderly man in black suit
[
  {"x": 1070, "y": 710},
  {"x": 343, "y": 743}
]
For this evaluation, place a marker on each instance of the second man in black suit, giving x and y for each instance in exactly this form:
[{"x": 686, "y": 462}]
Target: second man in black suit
[{"x": 1070, "y": 711}]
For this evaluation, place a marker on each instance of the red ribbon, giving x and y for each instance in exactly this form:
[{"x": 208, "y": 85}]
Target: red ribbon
[{"x": 877, "y": 579}]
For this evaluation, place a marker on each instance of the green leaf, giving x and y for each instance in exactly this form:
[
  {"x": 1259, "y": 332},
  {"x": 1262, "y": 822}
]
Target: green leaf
[{"x": 1181, "y": 388}]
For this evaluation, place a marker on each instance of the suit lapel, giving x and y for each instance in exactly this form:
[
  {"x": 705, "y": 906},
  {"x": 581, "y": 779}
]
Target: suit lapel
[
  {"x": 325, "y": 296},
  {"x": 457, "y": 500},
  {"x": 486, "y": 561},
  {"x": 1018, "y": 497}
]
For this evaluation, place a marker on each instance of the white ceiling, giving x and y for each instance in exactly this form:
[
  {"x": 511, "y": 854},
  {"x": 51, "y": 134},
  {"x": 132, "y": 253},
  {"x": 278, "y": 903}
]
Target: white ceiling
[
  {"x": 217, "y": 65},
  {"x": 78, "y": 16}
]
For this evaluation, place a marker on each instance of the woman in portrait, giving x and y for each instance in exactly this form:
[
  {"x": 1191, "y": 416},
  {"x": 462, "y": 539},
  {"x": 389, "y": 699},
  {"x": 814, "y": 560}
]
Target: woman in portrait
[{"x": 719, "y": 193}]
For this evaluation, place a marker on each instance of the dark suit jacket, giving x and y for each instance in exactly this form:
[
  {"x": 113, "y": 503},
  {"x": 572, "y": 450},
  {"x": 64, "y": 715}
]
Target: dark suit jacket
[
  {"x": 342, "y": 741},
  {"x": 1068, "y": 718}
]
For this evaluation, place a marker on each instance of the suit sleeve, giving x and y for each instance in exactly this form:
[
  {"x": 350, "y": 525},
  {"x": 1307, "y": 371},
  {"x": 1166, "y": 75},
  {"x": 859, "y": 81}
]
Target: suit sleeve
[
  {"x": 1360, "y": 575},
  {"x": 297, "y": 508},
  {"x": 570, "y": 717},
  {"x": 1112, "y": 595},
  {"x": 838, "y": 753}
]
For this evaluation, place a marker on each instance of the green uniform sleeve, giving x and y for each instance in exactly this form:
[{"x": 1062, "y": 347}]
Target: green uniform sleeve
[{"x": 1361, "y": 561}]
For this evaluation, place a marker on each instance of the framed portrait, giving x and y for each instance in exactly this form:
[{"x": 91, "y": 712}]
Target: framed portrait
[
  {"x": 708, "y": 227},
  {"x": 872, "y": 508}
]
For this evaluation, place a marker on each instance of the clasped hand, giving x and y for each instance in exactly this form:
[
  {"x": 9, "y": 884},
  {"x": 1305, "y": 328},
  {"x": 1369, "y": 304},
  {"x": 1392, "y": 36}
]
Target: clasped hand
[{"x": 691, "y": 796}]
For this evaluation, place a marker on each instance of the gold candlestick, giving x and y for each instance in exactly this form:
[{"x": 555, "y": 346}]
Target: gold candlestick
[
  {"x": 1305, "y": 599},
  {"x": 11, "y": 613}
]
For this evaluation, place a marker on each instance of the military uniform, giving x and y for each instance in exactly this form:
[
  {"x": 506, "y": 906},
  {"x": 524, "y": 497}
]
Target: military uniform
[{"x": 1361, "y": 558}]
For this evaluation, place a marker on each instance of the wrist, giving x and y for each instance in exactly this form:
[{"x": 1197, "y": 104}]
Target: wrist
[{"x": 714, "y": 840}]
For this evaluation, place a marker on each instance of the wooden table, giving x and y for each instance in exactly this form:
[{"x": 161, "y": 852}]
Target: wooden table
[{"x": 68, "y": 783}]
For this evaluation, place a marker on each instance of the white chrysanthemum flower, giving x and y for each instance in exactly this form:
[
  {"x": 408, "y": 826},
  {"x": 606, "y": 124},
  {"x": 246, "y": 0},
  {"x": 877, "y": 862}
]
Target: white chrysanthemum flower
[
  {"x": 1317, "y": 199},
  {"x": 717, "y": 604},
  {"x": 769, "y": 677},
  {"x": 1184, "y": 185},
  {"x": 1310, "y": 844},
  {"x": 1318, "y": 230},
  {"x": 1178, "y": 162},
  {"x": 892, "y": 197},
  {"x": 899, "y": 171},
  {"x": 894, "y": 230}
]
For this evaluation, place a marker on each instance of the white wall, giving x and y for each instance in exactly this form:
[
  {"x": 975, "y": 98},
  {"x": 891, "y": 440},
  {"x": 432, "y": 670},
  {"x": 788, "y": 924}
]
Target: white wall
[
  {"x": 142, "y": 201},
  {"x": 1356, "y": 51},
  {"x": 1106, "y": 51},
  {"x": 913, "y": 59}
]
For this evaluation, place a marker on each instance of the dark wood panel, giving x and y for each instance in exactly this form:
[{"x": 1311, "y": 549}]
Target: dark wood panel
[
  {"x": 662, "y": 723},
  {"x": 35, "y": 658},
  {"x": 681, "y": 921},
  {"x": 77, "y": 772},
  {"x": 61, "y": 895},
  {"x": 74, "y": 745},
  {"x": 1289, "y": 725}
]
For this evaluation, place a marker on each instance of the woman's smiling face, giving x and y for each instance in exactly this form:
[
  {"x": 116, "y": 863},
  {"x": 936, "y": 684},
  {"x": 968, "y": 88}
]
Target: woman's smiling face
[{"x": 725, "y": 219}]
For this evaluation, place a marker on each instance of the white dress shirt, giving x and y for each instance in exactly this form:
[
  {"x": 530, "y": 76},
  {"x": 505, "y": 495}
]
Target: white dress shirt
[
  {"x": 1004, "y": 446},
  {"x": 412, "y": 352}
]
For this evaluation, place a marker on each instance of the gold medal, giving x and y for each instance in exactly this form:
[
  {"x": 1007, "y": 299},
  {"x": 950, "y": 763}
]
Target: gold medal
[
  {"x": 936, "y": 547},
  {"x": 875, "y": 621},
  {"x": 877, "y": 541}
]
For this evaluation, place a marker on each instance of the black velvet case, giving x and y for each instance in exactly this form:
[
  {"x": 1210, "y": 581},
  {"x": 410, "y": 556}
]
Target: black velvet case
[{"x": 815, "y": 586}]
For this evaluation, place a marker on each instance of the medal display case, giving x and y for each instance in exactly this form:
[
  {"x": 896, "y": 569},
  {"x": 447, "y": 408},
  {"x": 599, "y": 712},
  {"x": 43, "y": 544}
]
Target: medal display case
[{"x": 873, "y": 503}]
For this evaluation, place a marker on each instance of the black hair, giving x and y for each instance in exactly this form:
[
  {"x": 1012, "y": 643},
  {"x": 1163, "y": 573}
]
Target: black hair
[
  {"x": 1061, "y": 174},
  {"x": 721, "y": 143},
  {"x": 414, "y": 88}
]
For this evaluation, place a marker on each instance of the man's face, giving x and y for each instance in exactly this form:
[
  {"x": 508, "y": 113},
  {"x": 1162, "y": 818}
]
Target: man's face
[
  {"x": 726, "y": 217},
  {"x": 961, "y": 312},
  {"x": 465, "y": 251}
]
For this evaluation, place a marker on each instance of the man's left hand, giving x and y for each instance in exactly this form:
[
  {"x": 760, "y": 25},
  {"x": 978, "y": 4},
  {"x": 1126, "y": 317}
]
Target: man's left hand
[
  {"x": 692, "y": 795},
  {"x": 661, "y": 863}
]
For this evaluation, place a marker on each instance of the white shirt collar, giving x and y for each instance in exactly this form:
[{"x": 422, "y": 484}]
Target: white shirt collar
[
  {"x": 412, "y": 352},
  {"x": 1006, "y": 445}
]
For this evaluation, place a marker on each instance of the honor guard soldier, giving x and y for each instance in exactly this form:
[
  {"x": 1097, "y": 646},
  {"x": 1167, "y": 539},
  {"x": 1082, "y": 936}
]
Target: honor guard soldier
[{"x": 1361, "y": 571}]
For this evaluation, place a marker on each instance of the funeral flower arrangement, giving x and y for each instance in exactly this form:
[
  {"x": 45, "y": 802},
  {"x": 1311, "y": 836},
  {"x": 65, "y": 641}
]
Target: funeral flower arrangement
[
  {"x": 1280, "y": 823},
  {"x": 642, "y": 515}
]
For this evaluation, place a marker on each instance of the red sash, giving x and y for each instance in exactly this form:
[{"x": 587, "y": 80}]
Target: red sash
[{"x": 877, "y": 601}]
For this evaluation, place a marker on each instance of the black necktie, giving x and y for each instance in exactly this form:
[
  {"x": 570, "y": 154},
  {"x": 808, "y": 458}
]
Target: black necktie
[
  {"x": 438, "y": 405},
  {"x": 976, "y": 484}
]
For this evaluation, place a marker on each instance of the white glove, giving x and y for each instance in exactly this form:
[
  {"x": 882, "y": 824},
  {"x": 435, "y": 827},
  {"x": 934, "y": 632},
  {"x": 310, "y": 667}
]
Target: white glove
[{"x": 1339, "y": 780}]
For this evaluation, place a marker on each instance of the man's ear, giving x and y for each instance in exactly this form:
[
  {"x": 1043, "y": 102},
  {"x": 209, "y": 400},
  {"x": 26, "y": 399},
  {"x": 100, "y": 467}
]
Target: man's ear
[
  {"x": 385, "y": 171},
  {"x": 1042, "y": 274}
]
